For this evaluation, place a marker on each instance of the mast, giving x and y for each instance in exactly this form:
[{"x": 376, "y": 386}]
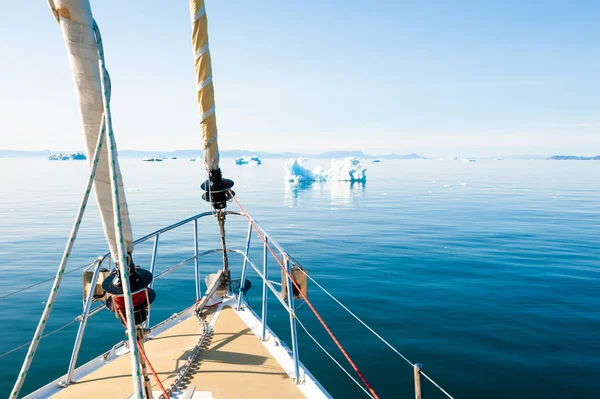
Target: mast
[{"x": 217, "y": 189}]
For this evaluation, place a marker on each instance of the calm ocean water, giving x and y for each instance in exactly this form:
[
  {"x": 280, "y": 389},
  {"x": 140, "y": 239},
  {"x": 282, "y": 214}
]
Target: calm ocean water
[{"x": 487, "y": 273}]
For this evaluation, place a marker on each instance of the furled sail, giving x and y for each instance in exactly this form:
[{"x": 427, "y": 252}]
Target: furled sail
[
  {"x": 75, "y": 18},
  {"x": 204, "y": 84}
]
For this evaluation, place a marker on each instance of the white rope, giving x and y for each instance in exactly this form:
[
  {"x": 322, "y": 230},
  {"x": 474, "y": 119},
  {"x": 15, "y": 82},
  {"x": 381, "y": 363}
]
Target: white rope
[
  {"x": 122, "y": 263},
  {"x": 39, "y": 331},
  {"x": 54, "y": 10},
  {"x": 435, "y": 383},
  {"x": 332, "y": 358}
]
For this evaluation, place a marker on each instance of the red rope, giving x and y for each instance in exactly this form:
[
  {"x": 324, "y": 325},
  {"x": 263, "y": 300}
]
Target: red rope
[
  {"x": 310, "y": 305},
  {"x": 141, "y": 349}
]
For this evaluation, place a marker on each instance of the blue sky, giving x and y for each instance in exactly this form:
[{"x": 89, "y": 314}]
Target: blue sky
[{"x": 441, "y": 78}]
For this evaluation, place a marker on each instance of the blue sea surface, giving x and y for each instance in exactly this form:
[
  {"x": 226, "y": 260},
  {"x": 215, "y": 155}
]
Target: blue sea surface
[{"x": 487, "y": 273}]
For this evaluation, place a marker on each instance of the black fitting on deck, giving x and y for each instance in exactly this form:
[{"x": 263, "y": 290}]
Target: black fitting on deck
[
  {"x": 141, "y": 295},
  {"x": 217, "y": 190}
]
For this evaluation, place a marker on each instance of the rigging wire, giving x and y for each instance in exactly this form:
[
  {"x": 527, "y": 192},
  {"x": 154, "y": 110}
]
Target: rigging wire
[
  {"x": 39, "y": 283},
  {"x": 301, "y": 324},
  {"x": 43, "y": 336},
  {"x": 436, "y": 384},
  {"x": 332, "y": 358},
  {"x": 310, "y": 305},
  {"x": 373, "y": 331},
  {"x": 357, "y": 318}
]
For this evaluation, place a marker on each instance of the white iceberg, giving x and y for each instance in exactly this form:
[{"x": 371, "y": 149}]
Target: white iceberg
[
  {"x": 296, "y": 171},
  {"x": 67, "y": 156},
  {"x": 347, "y": 169},
  {"x": 248, "y": 160}
]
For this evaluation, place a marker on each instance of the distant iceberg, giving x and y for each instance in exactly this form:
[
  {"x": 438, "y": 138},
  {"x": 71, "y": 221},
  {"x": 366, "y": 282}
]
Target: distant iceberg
[
  {"x": 347, "y": 169},
  {"x": 248, "y": 160},
  {"x": 67, "y": 156},
  {"x": 297, "y": 172}
]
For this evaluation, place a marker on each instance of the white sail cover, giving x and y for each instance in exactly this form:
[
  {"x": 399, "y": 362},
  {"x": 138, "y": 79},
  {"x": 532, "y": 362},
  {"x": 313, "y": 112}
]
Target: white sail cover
[
  {"x": 204, "y": 84},
  {"x": 75, "y": 18}
]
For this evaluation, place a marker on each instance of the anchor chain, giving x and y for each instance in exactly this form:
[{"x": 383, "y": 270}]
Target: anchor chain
[{"x": 185, "y": 369}]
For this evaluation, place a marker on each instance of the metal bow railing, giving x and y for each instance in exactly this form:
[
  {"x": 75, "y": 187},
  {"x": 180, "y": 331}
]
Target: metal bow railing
[{"x": 267, "y": 285}]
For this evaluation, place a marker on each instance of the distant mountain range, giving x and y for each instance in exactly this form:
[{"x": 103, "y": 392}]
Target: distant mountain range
[
  {"x": 574, "y": 158},
  {"x": 224, "y": 153},
  {"x": 267, "y": 155}
]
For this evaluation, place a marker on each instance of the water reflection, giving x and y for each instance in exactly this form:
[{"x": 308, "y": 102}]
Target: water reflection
[
  {"x": 292, "y": 192},
  {"x": 342, "y": 194},
  {"x": 346, "y": 194}
]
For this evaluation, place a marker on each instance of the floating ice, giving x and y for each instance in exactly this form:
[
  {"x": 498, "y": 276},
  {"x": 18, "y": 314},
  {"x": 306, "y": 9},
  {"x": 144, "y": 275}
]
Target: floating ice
[
  {"x": 248, "y": 160},
  {"x": 347, "y": 169},
  {"x": 296, "y": 171},
  {"x": 67, "y": 156}
]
